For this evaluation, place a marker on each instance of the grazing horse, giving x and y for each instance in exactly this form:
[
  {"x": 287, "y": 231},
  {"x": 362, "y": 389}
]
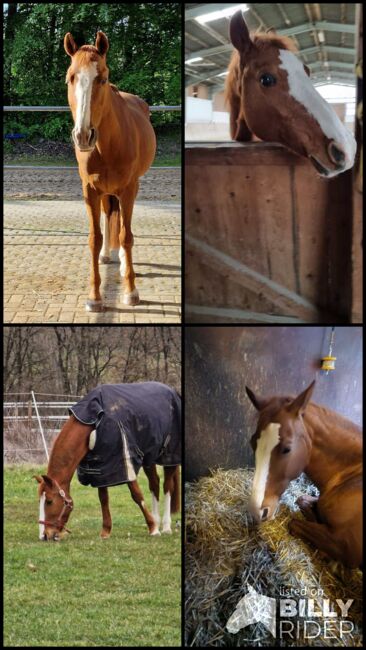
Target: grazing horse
[
  {"x": 271, "y": 97},
  {"x": 114, "y": 144},
  {"x": 294, "y": 435},
  {"x": 111, "y": 433}
]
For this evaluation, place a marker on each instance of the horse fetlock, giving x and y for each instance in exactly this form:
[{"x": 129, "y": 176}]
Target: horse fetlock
[
  {"x": 131, "y": 298},
  {"x": 155, "y": 532},
  {"x": 105, "y": 534}
]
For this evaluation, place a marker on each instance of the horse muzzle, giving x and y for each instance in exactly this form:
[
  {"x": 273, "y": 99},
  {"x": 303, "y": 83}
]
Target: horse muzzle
[{"x": 85, "y": 139}]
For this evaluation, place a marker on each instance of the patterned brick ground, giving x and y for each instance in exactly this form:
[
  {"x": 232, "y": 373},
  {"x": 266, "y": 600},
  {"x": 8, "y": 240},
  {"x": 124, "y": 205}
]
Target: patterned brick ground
[{"x": 47, "y": 265}]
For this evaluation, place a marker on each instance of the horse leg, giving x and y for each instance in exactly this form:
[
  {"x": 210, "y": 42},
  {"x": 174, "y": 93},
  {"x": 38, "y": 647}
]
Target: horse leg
[
  {"x": 138, "y": 498},
  {"x": 105, "y": 256},
  {"x": 92, "y": 200},
  {"x": 320, "y": 535},
  {"x": 107, "y": 519},
  {"x": 154, "y": 485},
  {"x": 127, "y": 199},
  {"x": 307, "y": 505},
  {"x": 168, "y": 491}
]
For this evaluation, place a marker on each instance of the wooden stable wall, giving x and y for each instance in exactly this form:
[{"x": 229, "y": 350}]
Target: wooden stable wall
[
  {"x": 220, "y": 361},
  {"x": 266, "y": 238}
]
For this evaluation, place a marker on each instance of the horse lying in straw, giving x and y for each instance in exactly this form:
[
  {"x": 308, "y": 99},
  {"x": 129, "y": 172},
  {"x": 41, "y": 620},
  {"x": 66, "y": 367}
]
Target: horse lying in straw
[
  {"x": 295, "y": 436},
  {"x": 114, "y": 144},
  {"x": 271, "y": 97},
  {"x": 111, "y": 433}
]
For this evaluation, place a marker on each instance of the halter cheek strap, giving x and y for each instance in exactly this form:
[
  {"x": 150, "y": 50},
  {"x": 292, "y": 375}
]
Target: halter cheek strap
[{"x": 68, "y": 505}]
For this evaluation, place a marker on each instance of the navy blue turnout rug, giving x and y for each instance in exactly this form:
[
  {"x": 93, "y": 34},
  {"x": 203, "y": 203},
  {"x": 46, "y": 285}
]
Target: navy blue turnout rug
[{"x": 136, "y": 424}]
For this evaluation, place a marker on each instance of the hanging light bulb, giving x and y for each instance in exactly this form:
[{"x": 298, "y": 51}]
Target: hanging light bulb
[{"x": 328, "y": 362}]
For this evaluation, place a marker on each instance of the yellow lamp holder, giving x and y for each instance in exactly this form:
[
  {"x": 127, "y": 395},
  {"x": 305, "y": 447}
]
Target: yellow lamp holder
[{"x": 328, "y": 362}]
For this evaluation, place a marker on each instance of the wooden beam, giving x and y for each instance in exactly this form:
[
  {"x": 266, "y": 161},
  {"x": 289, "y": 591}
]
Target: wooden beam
[
  {"x": 240, "y": 315},
  {"x": 283, "y": 298}
]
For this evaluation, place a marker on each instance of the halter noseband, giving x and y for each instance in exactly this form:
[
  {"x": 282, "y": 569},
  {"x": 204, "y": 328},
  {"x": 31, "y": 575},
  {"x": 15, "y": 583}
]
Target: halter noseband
[{"x": 68, "y": 505}]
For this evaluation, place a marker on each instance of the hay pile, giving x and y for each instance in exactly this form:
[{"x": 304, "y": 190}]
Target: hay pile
[{"x": 224, "y": 552}]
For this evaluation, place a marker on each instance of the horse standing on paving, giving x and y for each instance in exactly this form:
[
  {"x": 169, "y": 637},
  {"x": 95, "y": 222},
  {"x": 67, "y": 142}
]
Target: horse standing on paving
[{"x": 115, "y": 144}]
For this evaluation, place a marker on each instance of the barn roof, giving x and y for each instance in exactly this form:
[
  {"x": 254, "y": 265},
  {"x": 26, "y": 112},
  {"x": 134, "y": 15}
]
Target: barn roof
[{"x": 323, "y": 33}]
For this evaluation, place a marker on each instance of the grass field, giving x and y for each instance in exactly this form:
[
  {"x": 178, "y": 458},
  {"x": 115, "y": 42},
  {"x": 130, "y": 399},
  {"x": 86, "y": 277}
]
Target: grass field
[{"x": 83, "y": 591}]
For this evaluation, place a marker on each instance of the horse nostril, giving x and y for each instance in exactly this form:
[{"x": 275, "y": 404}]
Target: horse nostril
[
  {"x": 336, "y": 154},
  {"x": 264, "y": 514}
]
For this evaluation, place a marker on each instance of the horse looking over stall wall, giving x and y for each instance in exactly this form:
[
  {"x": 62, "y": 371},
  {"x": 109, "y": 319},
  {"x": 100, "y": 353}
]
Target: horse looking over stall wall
[
  {"x": 271, "y": 97},
  {"x": 114, "y": 144}
]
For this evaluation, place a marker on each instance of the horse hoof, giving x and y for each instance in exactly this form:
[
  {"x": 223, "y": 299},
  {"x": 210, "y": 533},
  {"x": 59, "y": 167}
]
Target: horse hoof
[
  {"x": 103, "y": 259},
  {"x": 155, "y": 533},
  {"x": 105, "y": 535},
  {"x": 167, "y": 531},
  {"x": 132, "y": 298},
  {"x": 94, "y": 305}
]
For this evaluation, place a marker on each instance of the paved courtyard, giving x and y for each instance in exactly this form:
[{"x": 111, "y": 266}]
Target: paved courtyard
[{"x": 46, "y": 265}]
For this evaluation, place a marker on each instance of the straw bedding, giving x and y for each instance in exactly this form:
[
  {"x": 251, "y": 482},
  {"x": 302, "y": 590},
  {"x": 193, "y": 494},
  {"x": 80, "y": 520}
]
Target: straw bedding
[{"x": 226, "y": 552}]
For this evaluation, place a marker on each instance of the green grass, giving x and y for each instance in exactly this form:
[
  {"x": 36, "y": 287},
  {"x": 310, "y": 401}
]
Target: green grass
[
  {"x": 84, "y": 591},
  {"x": 40, "y": 161}
]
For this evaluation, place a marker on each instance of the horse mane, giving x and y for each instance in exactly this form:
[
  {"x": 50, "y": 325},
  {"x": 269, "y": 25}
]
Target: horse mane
[
  {"x": 88, "y": 53},
  {"x": 262, "y": 40}
]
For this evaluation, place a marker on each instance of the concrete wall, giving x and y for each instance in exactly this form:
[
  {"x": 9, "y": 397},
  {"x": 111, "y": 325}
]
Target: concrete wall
[{"x": 220, "y": 361}]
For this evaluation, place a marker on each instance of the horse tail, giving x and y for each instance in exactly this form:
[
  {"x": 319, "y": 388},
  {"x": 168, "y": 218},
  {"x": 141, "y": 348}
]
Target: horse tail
[
  {"x": 114, "y": 221},
  {"x": 175, "y": 497}
]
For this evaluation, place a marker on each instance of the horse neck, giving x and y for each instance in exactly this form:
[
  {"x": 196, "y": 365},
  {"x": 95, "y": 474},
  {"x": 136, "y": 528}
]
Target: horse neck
[
  {"x": 336, "y": 445},
  {"x": 69, "y": 448}
]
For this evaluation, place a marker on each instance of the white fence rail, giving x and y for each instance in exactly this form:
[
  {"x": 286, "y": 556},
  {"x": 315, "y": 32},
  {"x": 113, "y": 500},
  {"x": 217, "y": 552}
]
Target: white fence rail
[{"x": 30, "y": 419}]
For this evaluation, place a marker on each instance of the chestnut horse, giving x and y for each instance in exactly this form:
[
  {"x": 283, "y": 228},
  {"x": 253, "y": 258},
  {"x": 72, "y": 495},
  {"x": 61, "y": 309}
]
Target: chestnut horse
[
  {"x": 56, "y": 504},
  {"x": 271, "y": 97},
  {"x": 295, "y": 436},
  {"x": 114, "y": 145}
]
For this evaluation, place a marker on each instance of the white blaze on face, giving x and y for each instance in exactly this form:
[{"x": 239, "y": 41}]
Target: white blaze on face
[
  {"x": 83, "y": 92},
  {"x": 301, "y": 88},
  {"x": 42, "y": 514},
  {"x": 269, "y": 438}
]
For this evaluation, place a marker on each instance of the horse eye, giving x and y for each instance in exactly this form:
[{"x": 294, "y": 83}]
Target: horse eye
[
  {"x": 48, "y": 501},
  {"x": 103, "y": 81},
  {"x": 267, "y": 79},
  {"x": 286, "y": 450}
]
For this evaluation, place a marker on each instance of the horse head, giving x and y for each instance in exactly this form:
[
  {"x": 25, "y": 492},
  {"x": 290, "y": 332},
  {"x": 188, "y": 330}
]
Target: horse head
[
  {"x": 279, "y": 102},
  {"x": 87, "y": 79},
  {"x": 281, "y": 446},
  {"x": 55, "y": 507}
]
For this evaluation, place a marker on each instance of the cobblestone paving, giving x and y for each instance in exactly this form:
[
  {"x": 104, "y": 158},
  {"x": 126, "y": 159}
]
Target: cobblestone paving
[{"x": 46, "y": 265}]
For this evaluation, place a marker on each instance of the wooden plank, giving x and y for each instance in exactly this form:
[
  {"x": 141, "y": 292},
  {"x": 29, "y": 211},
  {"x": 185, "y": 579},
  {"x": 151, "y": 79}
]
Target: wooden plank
[
  {"x": 221, "y": 314},
  {"x": 254, "y": 281},
  {"x": 236, "y": 153}
]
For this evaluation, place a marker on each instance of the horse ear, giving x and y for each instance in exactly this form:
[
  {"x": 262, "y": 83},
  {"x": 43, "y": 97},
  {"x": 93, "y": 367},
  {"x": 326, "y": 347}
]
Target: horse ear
[
  {"x": 239, "y": 33},
  {"x": 298, "y": 405},
  {"x": 69, "y": 44},
  {"x": 102, "y": 43},
  {"x": 307, "y": 70},
  {"x": 258, "y": 402},
  {"x": 48, "y": 481}
]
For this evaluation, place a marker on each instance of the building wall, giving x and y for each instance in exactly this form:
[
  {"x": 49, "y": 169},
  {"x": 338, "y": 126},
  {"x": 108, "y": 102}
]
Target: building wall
[{"x": 220, "y": 361}]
